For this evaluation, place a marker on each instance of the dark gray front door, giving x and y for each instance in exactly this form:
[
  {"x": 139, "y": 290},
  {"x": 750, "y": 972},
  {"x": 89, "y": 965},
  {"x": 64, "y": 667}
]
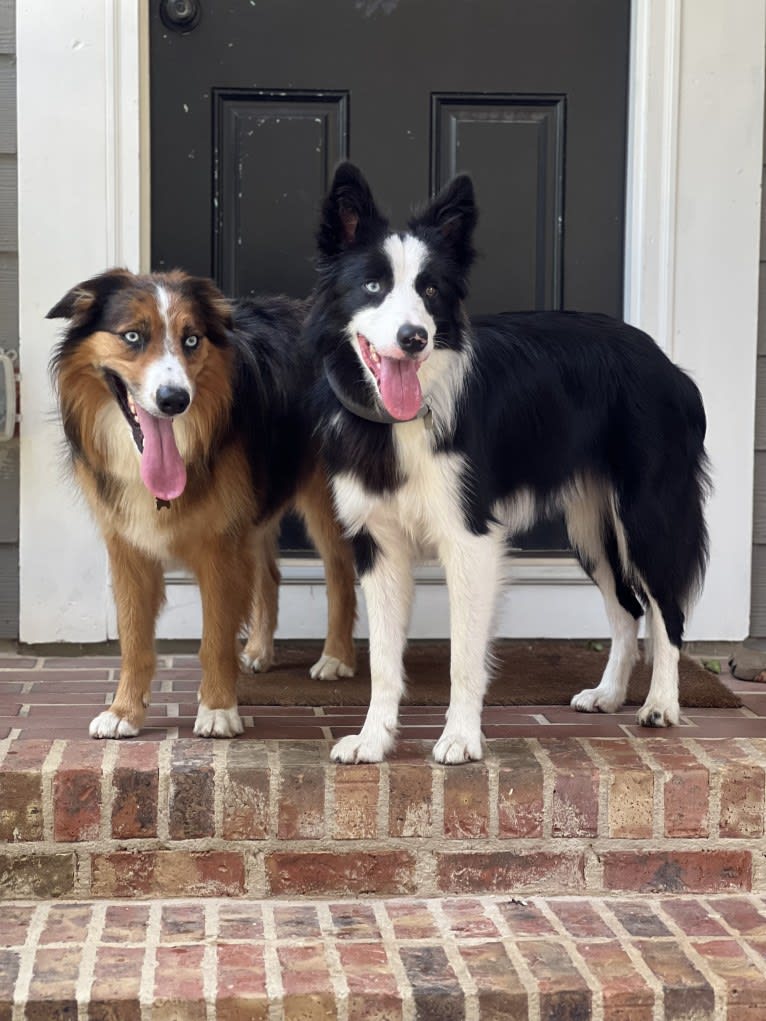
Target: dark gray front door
[{"x": 254, "y": 101}]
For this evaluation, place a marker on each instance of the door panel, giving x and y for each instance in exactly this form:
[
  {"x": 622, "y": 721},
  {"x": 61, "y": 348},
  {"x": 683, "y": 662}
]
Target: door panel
[
  {"x": 525, "y": 136},
  {"x": 253, "y": 106},
  {"x": 273, "y": 161}
]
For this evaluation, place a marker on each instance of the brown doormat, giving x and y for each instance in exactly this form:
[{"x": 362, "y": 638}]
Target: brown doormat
[{"x": 542, "y": 672}]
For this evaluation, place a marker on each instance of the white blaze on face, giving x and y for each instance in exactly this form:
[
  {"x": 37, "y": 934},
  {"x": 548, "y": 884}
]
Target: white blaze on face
[
  {"x": 374, "y": 331},
  {"x": 380, "y": 323},
  {"x": 168, "y": 369}
]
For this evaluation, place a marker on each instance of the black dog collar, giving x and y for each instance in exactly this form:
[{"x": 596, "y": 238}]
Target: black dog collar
[{"x": 376, "y": 414}]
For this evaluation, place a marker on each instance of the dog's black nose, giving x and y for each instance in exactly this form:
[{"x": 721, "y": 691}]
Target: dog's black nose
[
  {"x": 411, "y": 339},
  {"x": 172, "y": 400}
]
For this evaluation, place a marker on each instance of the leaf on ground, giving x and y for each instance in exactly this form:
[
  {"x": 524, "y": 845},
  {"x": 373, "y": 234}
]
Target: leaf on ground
[
  {"x": 713, "y": 665},
  {"x": 596, "y": 646}
]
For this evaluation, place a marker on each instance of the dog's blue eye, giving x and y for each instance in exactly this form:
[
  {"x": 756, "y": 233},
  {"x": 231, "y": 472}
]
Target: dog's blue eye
[
  {"x": 372, "y": 286},
  {"x": 191, "y": 342},
  {"x": 132, "y": 336}
]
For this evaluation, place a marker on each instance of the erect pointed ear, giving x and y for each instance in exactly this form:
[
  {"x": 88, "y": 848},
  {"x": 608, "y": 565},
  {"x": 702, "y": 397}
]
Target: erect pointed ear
[
  {"x": 453, "y": 216},
  {"x": 349, "y": 214},
  {"x": 91, "y": 294}
]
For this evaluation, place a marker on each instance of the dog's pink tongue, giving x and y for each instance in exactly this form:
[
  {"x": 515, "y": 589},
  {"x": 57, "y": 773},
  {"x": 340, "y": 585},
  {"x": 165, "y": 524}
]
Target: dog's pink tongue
[
  {"x": 162, "y": 468},
  {"x": 400, "y": 387}
]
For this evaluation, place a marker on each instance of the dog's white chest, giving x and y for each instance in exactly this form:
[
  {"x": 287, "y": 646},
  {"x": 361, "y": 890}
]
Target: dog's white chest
[{"x": 426, "y": 506}]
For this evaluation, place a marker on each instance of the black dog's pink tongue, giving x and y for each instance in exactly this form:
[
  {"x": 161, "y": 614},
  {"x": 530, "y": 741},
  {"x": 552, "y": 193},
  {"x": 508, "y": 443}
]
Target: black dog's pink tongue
[
  {"x": 162, "y": 468},
  {"x": 400, "y": 388}
]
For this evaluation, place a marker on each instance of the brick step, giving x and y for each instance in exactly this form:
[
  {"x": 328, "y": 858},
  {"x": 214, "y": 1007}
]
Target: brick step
[
  {"x": 568, "y": 959},
  {"x": 188, "y": 817}
]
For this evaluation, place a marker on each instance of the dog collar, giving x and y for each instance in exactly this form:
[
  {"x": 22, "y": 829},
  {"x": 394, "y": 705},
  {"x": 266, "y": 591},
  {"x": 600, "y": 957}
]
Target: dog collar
[{"x": 376, "y": 414}]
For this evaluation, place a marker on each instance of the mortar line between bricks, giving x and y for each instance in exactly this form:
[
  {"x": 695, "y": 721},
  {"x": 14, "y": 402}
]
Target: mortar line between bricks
[
  {"x": 210, "y": 958},
  {"x": 164, "y": 765},
  {"x": 332, "y": 959},
  {"x": 623, "y": 938},
  {"x": 661, "y": 776},
  {"x": 220, "y": 752},
  {"x": 493, "y": 793},
  {"x": 149, "y": 966},
  {"x": 383, "y": 820},
  {"x": 27, "y": 961},
  {"x": 329, "y": 774},
  {"x": 48, "y": 774},
  {"x": 274, "y": 763},
  {"x": 451, "y": 949},
  {"x": 523, "y": 970},
  {"x": 5, "y": 747},
  {"x": 714, "y": 786},
  {"x": 390, "y": 945},
  {"x": 275, "y": 990},
  {"x": 549, "y": 779},
  {"x": 593, "y": 984},
  {"x": 437, "y": 803},
  {"x": 88, "y": 959},
  {"x": 108, "y": 765},
  {"x": 740, "y": 939},
  {"x": 605, "y": 777}
]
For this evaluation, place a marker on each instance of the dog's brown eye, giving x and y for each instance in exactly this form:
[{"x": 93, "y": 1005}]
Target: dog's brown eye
[{"x": 430, "y": 291}]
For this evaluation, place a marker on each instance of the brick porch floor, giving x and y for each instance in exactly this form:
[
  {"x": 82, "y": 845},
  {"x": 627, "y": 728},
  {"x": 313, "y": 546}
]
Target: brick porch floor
[
  {"x": 587, "y": 870},
  {"x": 57, "y": 696}
]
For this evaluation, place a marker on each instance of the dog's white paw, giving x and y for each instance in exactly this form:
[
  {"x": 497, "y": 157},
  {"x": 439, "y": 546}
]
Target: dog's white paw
[
  {"x": 364, "y": 747},
  {"x": 328, "y": 668},
  {"x": 596, "y": 700},
  {"x": 217, "y": 722},
  {"x": 256, "y": 664},
  {"x": 109, "y": 724},
  {"x": 456, "y": 746},
  {"x": 659, "y": 714}
]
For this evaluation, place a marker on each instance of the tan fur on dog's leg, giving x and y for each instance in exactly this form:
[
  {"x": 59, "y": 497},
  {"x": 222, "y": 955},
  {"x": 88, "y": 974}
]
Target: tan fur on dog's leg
[
  {"x": 224, "y": 569},
  {"x": 258, "y": 653},
  {"x": 315, "y": 504},
  {"x": 139, "y": 591}
]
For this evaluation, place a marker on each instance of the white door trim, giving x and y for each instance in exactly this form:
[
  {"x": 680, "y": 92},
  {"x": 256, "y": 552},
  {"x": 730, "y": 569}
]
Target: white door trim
[{"x": 691, "y": 268}]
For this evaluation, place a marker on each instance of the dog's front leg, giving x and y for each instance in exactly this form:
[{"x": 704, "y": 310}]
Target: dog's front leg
[
  {"x": 139, "y": 590},
  {"x": 224, "y": 570},
  {"x": 473, "y": 565},
  {"x": 384, "y": 562}
]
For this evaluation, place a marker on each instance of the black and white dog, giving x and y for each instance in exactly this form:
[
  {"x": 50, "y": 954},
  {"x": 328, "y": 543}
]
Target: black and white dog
[{"x": 448, "y": 435}]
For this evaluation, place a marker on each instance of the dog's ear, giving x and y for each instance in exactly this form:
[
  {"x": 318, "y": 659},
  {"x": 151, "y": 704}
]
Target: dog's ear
[
  {"x": 349, "y": 214},
  {"x": 452, "y": 216},
  {"x": 85, "y": 298},
  {"x": 215, "y": 309}
]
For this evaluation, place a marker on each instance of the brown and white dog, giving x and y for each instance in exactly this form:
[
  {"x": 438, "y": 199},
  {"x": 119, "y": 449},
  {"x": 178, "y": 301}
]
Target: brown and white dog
[{"x": 187, "y": 424}]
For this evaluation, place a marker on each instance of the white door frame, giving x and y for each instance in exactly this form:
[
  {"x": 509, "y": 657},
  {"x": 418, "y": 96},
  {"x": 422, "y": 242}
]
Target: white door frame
[{"x": 691, "y": 276}]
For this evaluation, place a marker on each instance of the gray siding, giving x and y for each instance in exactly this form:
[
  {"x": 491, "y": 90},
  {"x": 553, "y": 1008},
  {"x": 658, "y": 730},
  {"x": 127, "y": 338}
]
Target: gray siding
[
  {"x": 9, "y": 320},
  {"x": 758, "y": 590}
]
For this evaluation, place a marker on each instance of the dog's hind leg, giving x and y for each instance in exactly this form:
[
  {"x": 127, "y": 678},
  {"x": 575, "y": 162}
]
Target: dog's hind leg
[
  {"x": 623, "y": 653},
  {"x": 258, "y": 653},
  {"x": 314, "y": 502},
  {"x": 473, "y": 566},
  {"x": 589, "y": 519},
  {"x": 661, "y": 707},
  {"x": 139, "y": 591},
  {"x": 384, "y": 561},
  {"x": 224, "y": 569}
]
